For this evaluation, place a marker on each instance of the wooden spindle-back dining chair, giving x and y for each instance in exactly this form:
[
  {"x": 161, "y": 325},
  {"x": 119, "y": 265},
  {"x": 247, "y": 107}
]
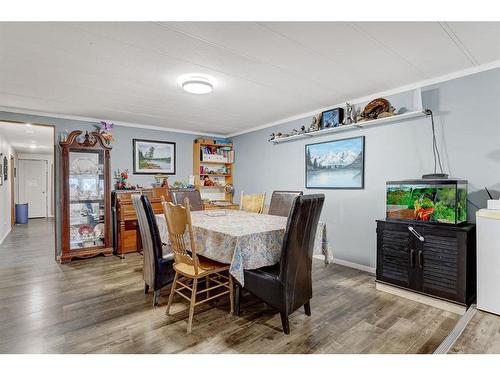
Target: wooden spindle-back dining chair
[
  {"x": 191, "y": 268},
  {"x": 252, "y": 202}
]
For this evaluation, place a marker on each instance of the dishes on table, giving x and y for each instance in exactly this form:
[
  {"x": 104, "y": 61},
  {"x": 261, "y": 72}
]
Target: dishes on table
[{"x": 216, "y": 213}]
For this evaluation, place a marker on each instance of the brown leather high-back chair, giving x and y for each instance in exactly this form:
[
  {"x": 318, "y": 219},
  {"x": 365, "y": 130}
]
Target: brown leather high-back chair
[
  {"x": 282, "y": 201},
  {"x": 157, "y": 268},
  {"x": 194, "y": 196},
  {"x": 288, "y": 285},
  {"x": 297, "y": 250}
]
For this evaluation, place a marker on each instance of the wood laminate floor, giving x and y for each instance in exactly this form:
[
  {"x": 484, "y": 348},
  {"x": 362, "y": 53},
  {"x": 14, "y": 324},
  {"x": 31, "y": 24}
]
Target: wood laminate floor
[
  {"x": 481, "y": 336},
  {"x": 98, "y": 306}
]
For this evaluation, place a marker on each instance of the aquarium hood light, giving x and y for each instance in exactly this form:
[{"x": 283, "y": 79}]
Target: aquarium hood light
[{"x": 434, "y": 176}]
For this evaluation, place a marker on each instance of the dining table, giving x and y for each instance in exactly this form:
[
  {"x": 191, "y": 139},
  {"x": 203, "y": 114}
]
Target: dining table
[{"x": 244, "y": 240}]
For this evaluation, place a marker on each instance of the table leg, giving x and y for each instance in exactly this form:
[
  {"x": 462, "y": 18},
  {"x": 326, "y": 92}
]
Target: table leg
[{"x": 237, "y": 293}]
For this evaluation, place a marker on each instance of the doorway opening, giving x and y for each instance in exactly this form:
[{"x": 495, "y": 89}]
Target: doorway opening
[{"x": 28, "y": 191}]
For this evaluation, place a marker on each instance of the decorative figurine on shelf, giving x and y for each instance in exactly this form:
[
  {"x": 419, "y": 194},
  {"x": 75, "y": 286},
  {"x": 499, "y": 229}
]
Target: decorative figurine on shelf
[
  {"x": 302, "y": 130},
  {"x": 160, "y": 180},
  {"x": 207, "y": 181},
  {"x": 350, "y": 111},
  {"x": 277, "y": 135},
  {"x": 315, "y": 123},
  {"x": 121, "y": 180},
  {"x": 105, "y": 130},
  {"x": 182, "y": 185},
  {"x": 377, "y": 108}
]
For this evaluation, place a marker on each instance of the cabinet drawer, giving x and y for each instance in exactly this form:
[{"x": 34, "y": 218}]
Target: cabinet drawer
[
  {"x": 393, "y": 258},
  {"x": 440, "y": 265}
]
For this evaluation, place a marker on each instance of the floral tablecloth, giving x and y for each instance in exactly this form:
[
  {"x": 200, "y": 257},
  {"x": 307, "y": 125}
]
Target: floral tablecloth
[{"x": 242, "y": 239}]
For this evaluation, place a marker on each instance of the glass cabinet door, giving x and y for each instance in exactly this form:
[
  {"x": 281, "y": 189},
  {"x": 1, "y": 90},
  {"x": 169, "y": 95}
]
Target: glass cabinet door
[{"x": 86, "y": 197}]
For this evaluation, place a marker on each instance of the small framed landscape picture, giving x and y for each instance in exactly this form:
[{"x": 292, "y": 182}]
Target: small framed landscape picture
[
  {"x": 336, "y": 164},
  {"x": 332, "y": 118},
  {"x": 153, "y": 157}
]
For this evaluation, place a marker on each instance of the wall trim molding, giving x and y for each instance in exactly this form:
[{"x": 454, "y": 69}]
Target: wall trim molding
[
  {"x": 346, "y": 263},
  {"x": 5, "y": 235},
  {"x": 96, "y": 120},
  {"x": 412, "y": 86},
  {"x": 357, "y": 266}
]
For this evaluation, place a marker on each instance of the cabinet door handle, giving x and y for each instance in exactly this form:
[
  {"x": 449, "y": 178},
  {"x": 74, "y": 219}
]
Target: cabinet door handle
[
  {"x": 421, "y": 259},
  {"x": 416, "y": 234},
  {"x": 412, "y": 258}
]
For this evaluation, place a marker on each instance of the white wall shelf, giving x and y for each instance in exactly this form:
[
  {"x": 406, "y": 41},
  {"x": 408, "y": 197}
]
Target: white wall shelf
[{"x": 359, "y": 125}]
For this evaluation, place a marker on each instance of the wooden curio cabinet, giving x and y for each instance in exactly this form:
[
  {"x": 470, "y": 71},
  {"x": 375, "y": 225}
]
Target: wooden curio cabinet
[{"x": 86, "y": 197}]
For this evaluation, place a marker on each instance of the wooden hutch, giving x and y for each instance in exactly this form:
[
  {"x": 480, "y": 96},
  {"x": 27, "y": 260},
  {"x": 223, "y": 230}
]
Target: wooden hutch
[
  {"x": 213, "y": 168},
  {"x": 85, "y": 193},
  {"x": 126, "y": 234}
]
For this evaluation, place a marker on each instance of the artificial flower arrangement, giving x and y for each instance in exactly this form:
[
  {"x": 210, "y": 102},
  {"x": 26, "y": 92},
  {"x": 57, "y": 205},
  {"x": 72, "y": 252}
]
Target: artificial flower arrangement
[
  {"x": 121, "y": 180},
  {"x": 105, "y": 130}
]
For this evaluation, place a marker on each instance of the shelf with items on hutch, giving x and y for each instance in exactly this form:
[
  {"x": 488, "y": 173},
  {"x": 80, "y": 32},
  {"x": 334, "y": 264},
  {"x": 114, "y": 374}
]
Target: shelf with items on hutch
[
  {"x": 213, "y": 168},
  {"x": 85, "y": 190}
]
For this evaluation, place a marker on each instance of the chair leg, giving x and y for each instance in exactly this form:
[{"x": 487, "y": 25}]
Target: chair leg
[
  {"x": 307, "y": 308},
  {"x": 172, "y": 291},
  {"x": 207, "y": 285},
  {"x": 237, "y": 297},
  {"x": 146, "y": 288},
  {"x": 156, "y": 297},
  {"x": 231, "y": 294},
  {"x": 285, "y": 323},
  {"x": 191, "y": 305}
]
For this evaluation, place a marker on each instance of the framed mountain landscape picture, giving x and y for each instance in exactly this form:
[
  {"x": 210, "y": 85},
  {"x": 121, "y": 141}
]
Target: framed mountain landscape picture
[
  {"x": 153, "y": 157},
  {"x": 336, "y": 164}
]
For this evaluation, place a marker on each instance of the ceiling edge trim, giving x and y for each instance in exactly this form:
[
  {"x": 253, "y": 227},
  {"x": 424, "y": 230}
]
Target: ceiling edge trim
[
  {"x": 412, "y": 86},
  {"x": 119, "y": 123}
]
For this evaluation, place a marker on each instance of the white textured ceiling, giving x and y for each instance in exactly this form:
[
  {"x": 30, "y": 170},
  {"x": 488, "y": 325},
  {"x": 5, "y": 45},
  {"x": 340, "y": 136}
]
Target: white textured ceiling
[
  {"x": 265, "y": 71},
  {"x": 22, "y": 138}
]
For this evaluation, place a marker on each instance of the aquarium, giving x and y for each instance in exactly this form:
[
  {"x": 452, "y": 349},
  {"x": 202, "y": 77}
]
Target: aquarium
[{"x": 434, "y": 201}]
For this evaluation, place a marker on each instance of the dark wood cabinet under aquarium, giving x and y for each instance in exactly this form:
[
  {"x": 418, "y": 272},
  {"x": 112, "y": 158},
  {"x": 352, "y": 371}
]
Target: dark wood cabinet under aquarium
[
  {"x": 431, "y": 259},
  {"x": 85, "y": 194}
]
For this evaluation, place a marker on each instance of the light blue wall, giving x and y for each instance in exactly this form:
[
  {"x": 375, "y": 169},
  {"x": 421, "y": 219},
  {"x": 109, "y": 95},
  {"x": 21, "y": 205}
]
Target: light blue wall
[
  {"x": 121, "y": 155},
  {"x": 468, "y": 130}
]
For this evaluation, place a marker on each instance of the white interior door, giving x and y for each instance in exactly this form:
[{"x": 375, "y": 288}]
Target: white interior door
[{"x": 33, "y": 186}]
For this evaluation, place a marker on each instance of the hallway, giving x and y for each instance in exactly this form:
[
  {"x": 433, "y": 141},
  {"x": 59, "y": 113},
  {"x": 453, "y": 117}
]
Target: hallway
[{"x": 29, "y": 245}]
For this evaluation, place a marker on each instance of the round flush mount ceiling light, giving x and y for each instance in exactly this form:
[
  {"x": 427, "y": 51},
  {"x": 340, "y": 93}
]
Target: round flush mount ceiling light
[{"x": 196, "y": 83}]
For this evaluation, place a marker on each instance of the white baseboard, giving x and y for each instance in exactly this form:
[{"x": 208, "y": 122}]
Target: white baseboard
[
  {"x": 346, "y": 263},
  {"x": 5, "y": 235}
]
